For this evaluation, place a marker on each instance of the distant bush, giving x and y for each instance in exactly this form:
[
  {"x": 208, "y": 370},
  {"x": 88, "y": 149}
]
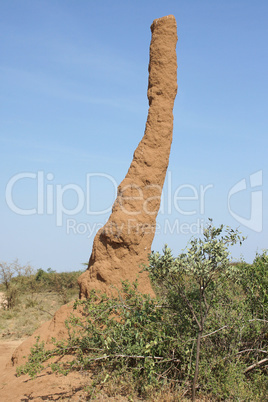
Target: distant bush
[
  {"x": 13, "y": 278},
  {"x": 17, "y": 280},
  {"x": 63, "y": 283}
]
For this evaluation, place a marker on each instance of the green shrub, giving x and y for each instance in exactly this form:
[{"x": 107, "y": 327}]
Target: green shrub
[
  {"x": 254, "y": 280},
  {"x": 204, "y": 320}
]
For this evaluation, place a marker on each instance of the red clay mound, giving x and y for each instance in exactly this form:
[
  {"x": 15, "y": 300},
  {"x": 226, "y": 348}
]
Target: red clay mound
[
  {"x": 124, "y": 243},
  {"x": 50, "y": 329}
]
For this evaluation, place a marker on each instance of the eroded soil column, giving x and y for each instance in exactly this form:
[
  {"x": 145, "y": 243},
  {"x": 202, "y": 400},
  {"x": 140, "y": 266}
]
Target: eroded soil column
[{"x": 123, "y": 244}]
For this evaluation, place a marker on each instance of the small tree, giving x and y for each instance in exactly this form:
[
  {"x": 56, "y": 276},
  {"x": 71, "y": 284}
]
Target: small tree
[
  {"x": 194, "y": 278},
  {"x": 8, "y": 272}
]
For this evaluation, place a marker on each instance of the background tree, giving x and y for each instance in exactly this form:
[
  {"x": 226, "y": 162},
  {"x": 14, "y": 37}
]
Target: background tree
[{"x": 11, "y": 277}]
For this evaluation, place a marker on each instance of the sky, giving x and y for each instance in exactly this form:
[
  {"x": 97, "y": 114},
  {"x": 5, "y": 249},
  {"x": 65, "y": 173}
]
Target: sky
[{"x": 73, "y": 108}]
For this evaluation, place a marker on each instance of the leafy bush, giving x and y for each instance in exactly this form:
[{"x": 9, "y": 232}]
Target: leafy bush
[
  {"x": 254, "y": 280},
  {"x": 121, "y": 334},
  {"x": 13, "y": 277},
  {"x": 204, "y": 321}
]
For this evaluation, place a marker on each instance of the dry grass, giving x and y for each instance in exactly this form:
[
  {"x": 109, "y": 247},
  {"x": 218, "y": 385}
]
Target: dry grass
[{"x": 30, "y": 312}]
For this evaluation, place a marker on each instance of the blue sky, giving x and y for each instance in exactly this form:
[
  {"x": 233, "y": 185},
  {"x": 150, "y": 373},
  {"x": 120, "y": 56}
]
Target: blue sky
[{"x": 73, "y": 107}]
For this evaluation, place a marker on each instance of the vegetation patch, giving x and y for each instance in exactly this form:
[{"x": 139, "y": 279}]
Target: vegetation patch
[
  {"x": 31, "y": 298},
  {"x": 204, "y": 336}
]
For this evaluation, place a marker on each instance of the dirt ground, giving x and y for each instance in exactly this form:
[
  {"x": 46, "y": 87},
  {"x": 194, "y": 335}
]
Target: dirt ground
[{"x": 46, "y": 387}]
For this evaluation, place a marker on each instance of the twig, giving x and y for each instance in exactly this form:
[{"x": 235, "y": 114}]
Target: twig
[
  {"x": 45, "y": 311},
  {"x": 226, "y": 326},
  {"x": 217, "y": 330},
  {"x": 161, "y": 359},
  {"x": 257, "y": 319},
  {"x": 252, "y": 350},
  {"x": 255, "y": 365}
]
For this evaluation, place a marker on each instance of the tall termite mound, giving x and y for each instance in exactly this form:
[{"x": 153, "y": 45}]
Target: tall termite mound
[{"x": 123, "y": 244}]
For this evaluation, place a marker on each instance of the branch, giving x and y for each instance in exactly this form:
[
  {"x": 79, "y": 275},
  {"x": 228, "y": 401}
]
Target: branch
[
  {"x": 45, "y": 311},
  {"x": 190, "y": 307},
  {"x": 226, "y": 326},
  {"x": 257, "y": 319},
  {"x": 204, "y": 336},
  {"x": 206, "y": 303},
  {"x": 161, "y": 359},
  {"x": 255, "y": 365},
  {"x": 252, "y": 350}
]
